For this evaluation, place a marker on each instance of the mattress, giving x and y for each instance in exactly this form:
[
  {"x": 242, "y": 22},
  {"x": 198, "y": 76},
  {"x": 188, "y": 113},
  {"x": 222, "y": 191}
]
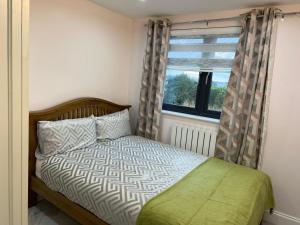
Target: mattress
[{"x": 115, "y": 179}]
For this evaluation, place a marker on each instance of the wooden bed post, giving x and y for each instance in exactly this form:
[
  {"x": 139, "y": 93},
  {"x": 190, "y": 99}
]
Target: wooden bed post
[{"x": 32, "y": 196}]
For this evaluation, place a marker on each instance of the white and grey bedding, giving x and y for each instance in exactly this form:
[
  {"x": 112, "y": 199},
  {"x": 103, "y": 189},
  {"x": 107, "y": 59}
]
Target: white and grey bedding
[
  {"x": 114, "y": 179},
  {"x": 70, "y": 134},
  {"x": 64, "y": 135},
  {"x": 113, "y": 126},
  {"x": 38, "y": 167}
]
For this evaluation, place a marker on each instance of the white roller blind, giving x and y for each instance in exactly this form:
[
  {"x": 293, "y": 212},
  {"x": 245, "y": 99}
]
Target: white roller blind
[{"x": 209, "y": 49}]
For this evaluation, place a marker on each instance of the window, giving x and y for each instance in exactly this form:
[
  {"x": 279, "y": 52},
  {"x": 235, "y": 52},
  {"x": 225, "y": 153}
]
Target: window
[{"x": 198, "y": 71}]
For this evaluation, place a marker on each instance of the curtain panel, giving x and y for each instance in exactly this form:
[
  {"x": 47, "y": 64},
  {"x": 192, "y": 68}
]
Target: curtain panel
[
  {"x": 154, "y": 69},
  {"x": 242, "y": 121}
]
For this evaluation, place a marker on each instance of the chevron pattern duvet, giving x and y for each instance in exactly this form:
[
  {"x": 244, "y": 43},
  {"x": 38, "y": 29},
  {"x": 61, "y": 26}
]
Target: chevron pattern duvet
[{"x": 114, "y": 179}]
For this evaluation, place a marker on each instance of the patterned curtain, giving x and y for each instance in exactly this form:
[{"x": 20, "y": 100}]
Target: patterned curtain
[
  {"x": 243, "y": 115},
  {"x": 155, "y": 61}
]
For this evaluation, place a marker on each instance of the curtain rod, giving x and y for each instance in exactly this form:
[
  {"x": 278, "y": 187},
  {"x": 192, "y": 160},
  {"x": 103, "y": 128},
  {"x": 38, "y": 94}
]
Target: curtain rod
[
  {"x": 231, "y": 18},
  {"x": 204, "y": 28}
]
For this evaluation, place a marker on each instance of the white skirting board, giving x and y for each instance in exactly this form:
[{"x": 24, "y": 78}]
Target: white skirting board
[{"x": 279, "y": 218}]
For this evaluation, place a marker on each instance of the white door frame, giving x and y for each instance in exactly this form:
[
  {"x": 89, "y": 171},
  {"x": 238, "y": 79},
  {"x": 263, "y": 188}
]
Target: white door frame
[{"x": 14, "y": 24}]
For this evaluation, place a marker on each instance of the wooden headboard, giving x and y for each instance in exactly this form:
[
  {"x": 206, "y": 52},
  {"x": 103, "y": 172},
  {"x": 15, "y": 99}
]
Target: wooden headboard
[{"x": 78, "y": 108}]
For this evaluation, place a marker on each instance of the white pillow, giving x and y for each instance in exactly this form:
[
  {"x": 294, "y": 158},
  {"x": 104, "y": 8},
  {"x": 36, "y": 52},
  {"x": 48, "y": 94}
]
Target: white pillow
[
  {"x": 65, "y": 135},
  {"x": 113, "y": 126}
]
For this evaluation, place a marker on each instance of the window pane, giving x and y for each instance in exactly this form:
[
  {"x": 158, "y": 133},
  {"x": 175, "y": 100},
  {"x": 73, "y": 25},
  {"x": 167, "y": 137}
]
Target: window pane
[
  {"x": 228, "y": 40},
  {"x": 218, "y": 90},
  {"x": 187, "y": 55},
  {"x": 181, "y": 88},
  {"x": 224, "y": 55},
  {"x": 194, "y": 51},
  {"x": 185, "y": 41}
]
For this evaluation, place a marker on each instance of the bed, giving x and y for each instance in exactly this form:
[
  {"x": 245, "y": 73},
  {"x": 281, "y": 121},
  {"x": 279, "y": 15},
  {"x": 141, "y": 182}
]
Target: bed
[{"x": 133, "y": 180}]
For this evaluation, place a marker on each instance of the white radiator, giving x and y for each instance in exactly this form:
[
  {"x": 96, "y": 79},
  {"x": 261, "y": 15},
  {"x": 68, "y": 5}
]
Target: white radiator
[{"x": 200, "y": 139}]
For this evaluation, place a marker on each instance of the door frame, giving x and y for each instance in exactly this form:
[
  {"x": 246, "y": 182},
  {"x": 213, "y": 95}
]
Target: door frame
[{"x": 14, "y": 29}]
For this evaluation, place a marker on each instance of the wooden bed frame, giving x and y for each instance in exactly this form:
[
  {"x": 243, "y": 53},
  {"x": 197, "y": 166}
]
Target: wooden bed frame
[{"x": 78, "y": 108}]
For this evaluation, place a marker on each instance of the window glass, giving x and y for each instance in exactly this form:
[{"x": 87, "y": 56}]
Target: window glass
[
  {"x": 224, "y": 55},
  {"x": 225, "y": 40},
  {"x": 218, "y": 90},
  {"x": 198, "y": 71},
  {"x": 186, "y": 41},
  {"x": 181, "y": 88},
  {"x": 178, "y": 55}
]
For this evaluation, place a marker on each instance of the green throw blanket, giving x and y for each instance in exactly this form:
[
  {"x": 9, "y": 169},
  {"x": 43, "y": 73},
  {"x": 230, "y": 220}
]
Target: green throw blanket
[{"x": 215, "y": 193}]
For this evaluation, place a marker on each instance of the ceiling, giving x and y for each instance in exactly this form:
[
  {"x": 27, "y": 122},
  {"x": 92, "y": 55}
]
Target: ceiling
[{"x": 144, "y": 8}]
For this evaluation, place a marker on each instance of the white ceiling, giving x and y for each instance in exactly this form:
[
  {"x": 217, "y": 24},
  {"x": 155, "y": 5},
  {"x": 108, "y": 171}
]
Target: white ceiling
[{"x": 144, "y": 8}]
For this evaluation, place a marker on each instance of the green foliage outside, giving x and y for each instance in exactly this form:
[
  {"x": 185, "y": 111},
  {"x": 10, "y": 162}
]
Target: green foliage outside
[
  {"x": 216, "y": 98},
  {"x": 181, "y": 90}
]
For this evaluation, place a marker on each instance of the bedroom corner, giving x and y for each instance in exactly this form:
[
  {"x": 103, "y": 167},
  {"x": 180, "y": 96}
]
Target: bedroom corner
[{"x": 142, "y": 112}]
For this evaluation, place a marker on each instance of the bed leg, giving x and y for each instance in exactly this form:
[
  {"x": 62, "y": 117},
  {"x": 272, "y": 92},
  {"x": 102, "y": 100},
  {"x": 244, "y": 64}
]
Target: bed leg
[{"x": 32, "y": 198}]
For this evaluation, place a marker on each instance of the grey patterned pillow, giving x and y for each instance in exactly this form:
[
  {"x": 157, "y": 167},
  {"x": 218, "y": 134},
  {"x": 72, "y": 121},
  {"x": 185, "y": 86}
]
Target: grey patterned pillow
[
  {"x": 113, "y": 126},
  {"x": 65, "y": 135}
]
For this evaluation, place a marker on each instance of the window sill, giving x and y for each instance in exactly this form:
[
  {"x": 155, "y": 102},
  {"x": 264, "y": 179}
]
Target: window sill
[{"x": 183, "y": 115}]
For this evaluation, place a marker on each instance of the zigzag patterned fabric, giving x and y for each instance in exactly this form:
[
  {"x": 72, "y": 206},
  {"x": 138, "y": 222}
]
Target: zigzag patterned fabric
[
  {"x": 154, "y": 70},
  {"x": 114, "y": 179},
  {"x": 243, "y": 119},
  {"x": 113, "y": 126},
  {"x": 65, "y": 135}
]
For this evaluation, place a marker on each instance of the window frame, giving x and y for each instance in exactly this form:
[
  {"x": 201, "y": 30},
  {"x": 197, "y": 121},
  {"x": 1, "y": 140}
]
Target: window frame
[{"x": 201, "y": 102}]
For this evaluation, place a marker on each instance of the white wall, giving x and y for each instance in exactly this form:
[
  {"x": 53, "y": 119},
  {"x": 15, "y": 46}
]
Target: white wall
[
  {"x": 282, "y": 154},
  {"x": 138, "y": 43},
  {"x": 77, "y": 49}
]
